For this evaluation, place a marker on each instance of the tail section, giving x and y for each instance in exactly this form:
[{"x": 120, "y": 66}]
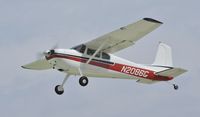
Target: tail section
[
  {"x": 164, "y": 60},
  {"x": 164, "y": 56}
]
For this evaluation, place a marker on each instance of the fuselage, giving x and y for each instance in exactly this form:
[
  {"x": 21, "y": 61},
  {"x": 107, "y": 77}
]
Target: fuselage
[{"x": 109, "y": 66}]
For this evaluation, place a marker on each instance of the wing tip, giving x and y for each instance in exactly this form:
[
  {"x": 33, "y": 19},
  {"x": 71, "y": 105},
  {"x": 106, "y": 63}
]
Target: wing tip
[
  {"x": 24, "y": 67},
  {"x": 152, "y": 20}
]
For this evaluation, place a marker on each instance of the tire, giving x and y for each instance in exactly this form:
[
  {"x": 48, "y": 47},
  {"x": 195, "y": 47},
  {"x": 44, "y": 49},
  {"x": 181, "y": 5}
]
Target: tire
[
  {"x": 83, "y": 81},
  {"x": 175, "y": 86},
  {"x": 59, "y": 91}
]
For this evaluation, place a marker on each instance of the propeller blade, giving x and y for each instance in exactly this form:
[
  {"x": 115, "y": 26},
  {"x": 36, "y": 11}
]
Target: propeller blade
[
  {"x": 40, "y": 55},
  {"x": 55, "y": 46}
]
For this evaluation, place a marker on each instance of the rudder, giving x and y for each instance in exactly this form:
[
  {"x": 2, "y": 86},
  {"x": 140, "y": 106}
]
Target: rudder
[{"x": 163, "y": 56}]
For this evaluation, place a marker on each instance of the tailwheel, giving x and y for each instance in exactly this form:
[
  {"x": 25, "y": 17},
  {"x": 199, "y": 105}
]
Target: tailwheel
[
  {"x": 83, "y": 81},
  {"x": 59, "y": 89},
  {"x": 175, "y": 86}
]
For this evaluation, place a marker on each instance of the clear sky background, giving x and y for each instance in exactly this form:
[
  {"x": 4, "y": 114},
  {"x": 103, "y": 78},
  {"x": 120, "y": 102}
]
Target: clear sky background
[{"x": 31, "y": 26}]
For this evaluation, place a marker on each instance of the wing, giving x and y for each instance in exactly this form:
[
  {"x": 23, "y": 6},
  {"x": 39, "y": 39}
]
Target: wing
[{"x": 125, "y": 36}]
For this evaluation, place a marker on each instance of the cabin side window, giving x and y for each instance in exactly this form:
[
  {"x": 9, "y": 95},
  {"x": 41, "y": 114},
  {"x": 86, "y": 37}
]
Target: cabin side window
[
  {"x": 90, "y": 51},
  {"x": 98, "y": 55}
]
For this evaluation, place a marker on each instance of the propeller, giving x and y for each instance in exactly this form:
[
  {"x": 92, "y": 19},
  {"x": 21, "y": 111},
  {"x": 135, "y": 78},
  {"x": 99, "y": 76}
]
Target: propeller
[
  {"x": 41, "y": 55},
  {"x": 54, "y": 46},
  {"x": 41, "y": 63}
]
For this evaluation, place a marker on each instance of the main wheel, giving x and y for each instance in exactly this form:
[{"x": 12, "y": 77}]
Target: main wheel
[
  {"x": 59, "y": 89},
  {"x": 83, "y": 81},
  {"x": 175, "y": 86}
]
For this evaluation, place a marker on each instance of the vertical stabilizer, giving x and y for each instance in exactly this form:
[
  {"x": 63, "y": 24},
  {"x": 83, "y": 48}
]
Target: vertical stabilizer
[{"x": 163, "y": 56}]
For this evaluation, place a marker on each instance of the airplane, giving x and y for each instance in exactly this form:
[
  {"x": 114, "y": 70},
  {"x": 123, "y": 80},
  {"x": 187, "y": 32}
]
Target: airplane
[{"x": 95, "y": 58}]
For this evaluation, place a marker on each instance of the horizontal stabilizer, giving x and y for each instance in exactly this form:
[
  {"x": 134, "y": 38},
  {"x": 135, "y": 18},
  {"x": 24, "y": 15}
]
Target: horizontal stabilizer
[
  {"x": 146, "y": 81},
  {"x": 42, "y": 64},
  {"x": 173, "y": 72}
]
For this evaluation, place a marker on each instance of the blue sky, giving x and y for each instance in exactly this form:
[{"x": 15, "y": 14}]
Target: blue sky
[{"x": 31, "y": 26}]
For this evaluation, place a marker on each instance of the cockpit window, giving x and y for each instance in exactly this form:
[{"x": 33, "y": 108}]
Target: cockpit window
[
  {"x": 90, "y": 51},
  {"x": 105, "y": 56},
  {"x": 80, "y": 48}
]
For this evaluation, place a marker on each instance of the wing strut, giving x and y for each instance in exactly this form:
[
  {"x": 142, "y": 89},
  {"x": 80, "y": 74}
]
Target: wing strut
[{"x": 100, "y": 47}]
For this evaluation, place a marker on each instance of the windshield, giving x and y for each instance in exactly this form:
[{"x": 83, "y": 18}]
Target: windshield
[{"x": 80, "y": 48}]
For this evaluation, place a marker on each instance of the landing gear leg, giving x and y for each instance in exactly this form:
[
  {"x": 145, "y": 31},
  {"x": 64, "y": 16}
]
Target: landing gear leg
[{"x": 59, "y": 88}]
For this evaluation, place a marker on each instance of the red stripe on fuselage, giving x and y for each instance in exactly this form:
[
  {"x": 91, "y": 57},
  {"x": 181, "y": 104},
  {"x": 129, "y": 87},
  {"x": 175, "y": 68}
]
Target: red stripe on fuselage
[{"x": 126, "y": 69}]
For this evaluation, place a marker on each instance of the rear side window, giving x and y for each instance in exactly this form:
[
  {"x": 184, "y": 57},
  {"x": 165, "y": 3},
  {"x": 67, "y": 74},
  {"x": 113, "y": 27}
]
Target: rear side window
[{"x": 105, "y": 56}]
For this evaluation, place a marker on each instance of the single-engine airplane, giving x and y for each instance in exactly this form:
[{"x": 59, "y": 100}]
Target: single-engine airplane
[{"x": 95, "y": 58}]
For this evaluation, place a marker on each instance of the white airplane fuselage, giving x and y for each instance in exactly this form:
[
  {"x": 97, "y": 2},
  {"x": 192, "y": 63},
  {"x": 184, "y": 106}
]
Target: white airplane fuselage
[
  {"x": 94, "y": 58},
  {"x": 73, "y": 62}
]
